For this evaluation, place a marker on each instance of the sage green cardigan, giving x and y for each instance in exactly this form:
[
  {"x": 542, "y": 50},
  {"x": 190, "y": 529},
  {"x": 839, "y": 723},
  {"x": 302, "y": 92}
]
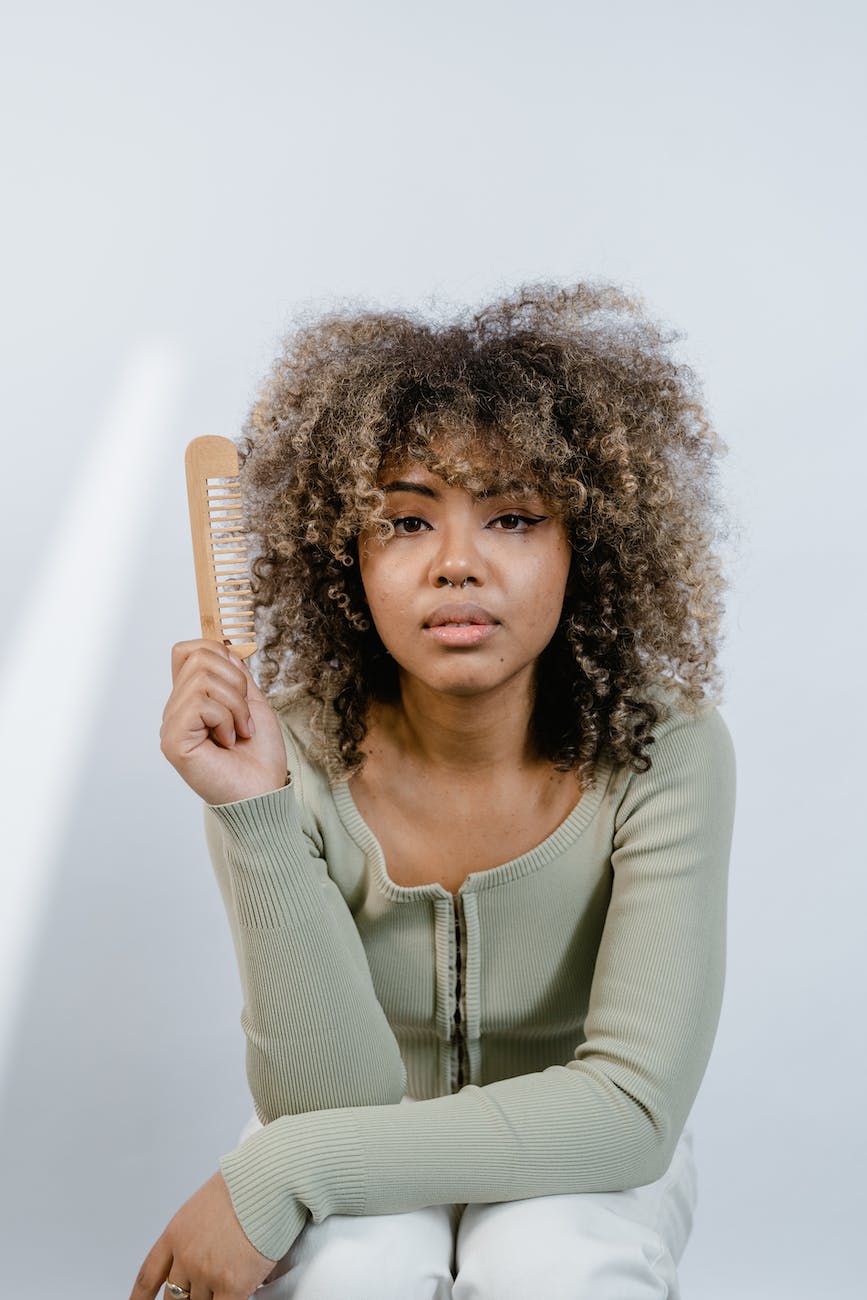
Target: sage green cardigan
[{"x": 555, "y": 1017}]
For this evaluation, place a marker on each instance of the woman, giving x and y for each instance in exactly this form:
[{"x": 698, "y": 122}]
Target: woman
[{"x": 492, "y": 883}]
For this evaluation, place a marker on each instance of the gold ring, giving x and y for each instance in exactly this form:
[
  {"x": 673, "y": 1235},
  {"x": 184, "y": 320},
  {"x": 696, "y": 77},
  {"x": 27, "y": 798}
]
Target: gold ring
[{"x": 177, "y": 1291}]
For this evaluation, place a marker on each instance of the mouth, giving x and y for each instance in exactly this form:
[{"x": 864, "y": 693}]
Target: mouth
[
  {"x": 460, "y": 623},
  {"x": 461, "y": 634},
  {"x": 460, "y": 614}
]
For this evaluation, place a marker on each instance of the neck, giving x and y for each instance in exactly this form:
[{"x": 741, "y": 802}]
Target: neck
[{"x": 470, "y": 735}]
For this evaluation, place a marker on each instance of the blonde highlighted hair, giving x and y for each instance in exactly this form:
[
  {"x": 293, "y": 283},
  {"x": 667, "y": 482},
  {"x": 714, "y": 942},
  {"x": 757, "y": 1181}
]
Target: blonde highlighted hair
[{"x": 574, "y": 386}]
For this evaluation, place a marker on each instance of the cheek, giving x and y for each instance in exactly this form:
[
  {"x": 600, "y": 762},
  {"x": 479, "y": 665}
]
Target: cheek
[
  {"x": 376, "y": 580},
  {"x": 386, "y": 597},
  {"x": 545, "y": 588},
  {"x": 369, "y": 571}
]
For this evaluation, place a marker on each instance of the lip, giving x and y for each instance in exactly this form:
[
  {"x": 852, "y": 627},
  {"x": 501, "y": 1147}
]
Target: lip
[
  {"x": 453, "y": 634},
  {"x": 460, "y": 611},
  {"x": 460, "y": 623}
]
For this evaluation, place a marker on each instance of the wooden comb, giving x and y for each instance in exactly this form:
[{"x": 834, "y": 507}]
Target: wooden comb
[{"x": 219, "y": 545}]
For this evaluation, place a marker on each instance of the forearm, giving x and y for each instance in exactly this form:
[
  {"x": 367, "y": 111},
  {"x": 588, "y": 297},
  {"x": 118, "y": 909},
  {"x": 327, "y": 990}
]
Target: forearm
[
  {"x": 557, "y": 1132},
  {"x": 317, "y": 1037}
]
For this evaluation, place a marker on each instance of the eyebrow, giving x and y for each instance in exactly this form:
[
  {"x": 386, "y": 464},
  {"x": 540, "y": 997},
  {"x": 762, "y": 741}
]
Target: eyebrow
[{"x": 406, "y": 485}]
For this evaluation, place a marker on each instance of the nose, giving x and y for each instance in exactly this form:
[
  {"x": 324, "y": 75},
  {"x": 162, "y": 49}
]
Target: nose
[{"x": 457, "y": 561}]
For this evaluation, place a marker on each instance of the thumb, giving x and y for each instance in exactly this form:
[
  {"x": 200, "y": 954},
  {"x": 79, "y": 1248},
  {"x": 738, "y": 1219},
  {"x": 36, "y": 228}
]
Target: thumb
[{"x": 253, "y": 690}]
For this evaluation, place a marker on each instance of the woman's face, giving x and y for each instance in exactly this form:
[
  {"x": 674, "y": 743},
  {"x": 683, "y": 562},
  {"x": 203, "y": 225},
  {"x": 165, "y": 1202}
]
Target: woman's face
[{"x": 470, "y": 590}]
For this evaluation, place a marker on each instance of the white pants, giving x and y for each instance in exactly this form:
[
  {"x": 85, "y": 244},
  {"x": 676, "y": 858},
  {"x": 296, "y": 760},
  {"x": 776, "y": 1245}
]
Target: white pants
[{"x": 592, "y": 1246}]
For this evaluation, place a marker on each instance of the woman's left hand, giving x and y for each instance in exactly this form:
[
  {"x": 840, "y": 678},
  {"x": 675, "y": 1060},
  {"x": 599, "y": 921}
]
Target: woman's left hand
[{"x": 205, "y": 1250}]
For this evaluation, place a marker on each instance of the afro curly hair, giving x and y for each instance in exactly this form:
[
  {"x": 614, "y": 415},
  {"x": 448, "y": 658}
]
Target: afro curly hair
[{"x": 573, "y": 385}]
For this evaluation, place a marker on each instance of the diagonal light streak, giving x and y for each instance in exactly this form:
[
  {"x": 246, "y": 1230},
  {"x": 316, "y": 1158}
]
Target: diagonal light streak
[{"x": 67, "y": 625}]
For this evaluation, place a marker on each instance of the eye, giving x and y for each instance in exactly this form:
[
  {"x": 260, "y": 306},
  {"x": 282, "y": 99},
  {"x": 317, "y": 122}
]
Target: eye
[
  {"x": 514, "y": 523},
  {"x": 405, "y": 526}
]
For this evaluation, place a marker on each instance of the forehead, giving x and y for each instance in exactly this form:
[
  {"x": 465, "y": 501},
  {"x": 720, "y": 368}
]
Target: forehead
[
  {"x": 416, "y": 480},
  {"x": 471, "y": 460}
]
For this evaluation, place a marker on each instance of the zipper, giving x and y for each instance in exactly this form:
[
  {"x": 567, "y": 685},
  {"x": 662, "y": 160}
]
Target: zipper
[{"x": 459, "y": 1035}]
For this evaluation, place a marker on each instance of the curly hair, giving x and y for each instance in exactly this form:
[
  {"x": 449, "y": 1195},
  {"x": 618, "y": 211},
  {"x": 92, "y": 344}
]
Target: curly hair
[{"x": 575, "y": 386}]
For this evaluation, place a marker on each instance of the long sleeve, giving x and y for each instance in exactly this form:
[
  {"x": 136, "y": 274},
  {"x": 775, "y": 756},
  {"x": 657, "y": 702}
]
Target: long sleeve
[
  {"x": 316, "y": 1035},
  {"x": 606, "y": 1120}
]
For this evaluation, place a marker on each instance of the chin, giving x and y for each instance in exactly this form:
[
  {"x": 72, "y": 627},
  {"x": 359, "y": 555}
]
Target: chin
[
  {"x": 467, "y": 684},
  {"x": 465, "y": 689}
]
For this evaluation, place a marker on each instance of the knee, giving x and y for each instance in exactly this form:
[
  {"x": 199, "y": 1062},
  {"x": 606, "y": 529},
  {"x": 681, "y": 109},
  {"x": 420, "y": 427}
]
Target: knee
[
  {"x": 359, "y": 1275},
  {"x": 516, "y": 1255},
  {"x": 382, "y": 1257}
]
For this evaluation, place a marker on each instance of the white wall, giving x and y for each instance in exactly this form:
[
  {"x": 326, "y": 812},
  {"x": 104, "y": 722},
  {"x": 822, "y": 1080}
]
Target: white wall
[{"x": 183, "y": 177}]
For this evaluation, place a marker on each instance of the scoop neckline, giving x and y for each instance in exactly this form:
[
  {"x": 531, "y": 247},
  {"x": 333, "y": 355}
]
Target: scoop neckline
[{"x": 569, "y": 830}]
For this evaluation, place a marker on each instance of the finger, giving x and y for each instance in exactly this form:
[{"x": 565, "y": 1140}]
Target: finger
[
  {"x": 189, "y": 722},
  {"x": 174, "y": 1274},
  {"x": 181, "y": 652},
  {"x": 253, "y": 689},
  {"x": 218, "y": 690},
  {"x": 203, "y": 650},
  {"x": 213, "y": 694},
  {"x": 152, "y": 1273},
  {"x": 191, "y": 657}
]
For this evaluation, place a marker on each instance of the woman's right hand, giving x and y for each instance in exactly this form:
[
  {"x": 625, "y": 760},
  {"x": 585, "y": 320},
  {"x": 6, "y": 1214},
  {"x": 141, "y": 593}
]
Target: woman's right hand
[{"x": 205, "y": 733}]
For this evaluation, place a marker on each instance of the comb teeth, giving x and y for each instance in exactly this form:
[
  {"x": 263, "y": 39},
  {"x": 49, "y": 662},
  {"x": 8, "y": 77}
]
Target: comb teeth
[
  {"x": 229, "y": 558},
  {"x": 219, "y": 544}
]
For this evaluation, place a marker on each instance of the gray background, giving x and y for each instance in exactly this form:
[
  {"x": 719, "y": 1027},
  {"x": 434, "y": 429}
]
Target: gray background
[{"x": 180, "y": 179}]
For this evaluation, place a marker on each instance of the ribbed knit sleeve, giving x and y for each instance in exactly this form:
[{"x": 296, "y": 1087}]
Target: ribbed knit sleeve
[
  {"x": 606, "y": 1120},
  {"x": 316, "y": 1035}
]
